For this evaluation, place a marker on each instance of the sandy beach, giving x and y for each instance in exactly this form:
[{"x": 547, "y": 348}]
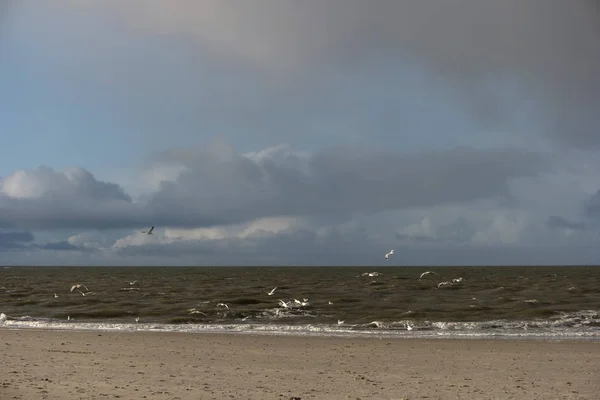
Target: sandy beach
[{"x": 98, "y": 365}]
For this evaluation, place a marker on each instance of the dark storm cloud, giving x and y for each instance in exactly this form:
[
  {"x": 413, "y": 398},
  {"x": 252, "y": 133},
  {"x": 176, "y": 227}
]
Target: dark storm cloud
[
  {"x": 220, "y": 187},
  {"x": 547, "y": 50},
  {"x": 232, "y": 188}
]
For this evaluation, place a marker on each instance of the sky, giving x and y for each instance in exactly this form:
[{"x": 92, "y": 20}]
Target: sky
[{"x": 279, "y": 132}]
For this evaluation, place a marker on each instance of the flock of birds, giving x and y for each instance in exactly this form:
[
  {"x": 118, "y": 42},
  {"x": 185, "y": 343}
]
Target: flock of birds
[{"x": 293, "y": 304}]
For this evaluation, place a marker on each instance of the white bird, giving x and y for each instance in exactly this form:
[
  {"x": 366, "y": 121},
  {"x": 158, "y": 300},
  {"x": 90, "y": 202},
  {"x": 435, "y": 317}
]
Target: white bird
[
  {"x": 284, "y": 304},
  {"x": 409, "y": 327},
  {"x": 302, "y": 303},
  {"x": 194, "y": 311},
  {"x": 79, "y": 285},
  {"x": 149, "y": 232},
  {"x": 426, "y": 273},
  {"x": 445, "y": 283},
  {"x": 372, "y": 274},
  {"x": 387, "y": 256},
  {"x": 223, "y": 305},
  {"x": 457, "y": 280},
  {"x": 55, "y": 296},
  {"x": 132, "y": 283},
  {"x": 272, "y": 291},
  {"x": 340, "y": 322},
  {"x": 137, "y": 320}
]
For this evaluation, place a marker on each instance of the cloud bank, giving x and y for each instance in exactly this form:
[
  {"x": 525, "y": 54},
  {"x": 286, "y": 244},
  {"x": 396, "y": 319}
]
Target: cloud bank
[
  {"x": 217, "y": 186},
  {"x": 276, "y": 206}
]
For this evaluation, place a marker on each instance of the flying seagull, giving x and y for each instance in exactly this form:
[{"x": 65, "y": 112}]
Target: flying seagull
[
  {"x": 272, "y": 291},
  {"x": 425, "y": 274},
  {"x": 148, "y": 232},
  {"x": 79, "y": 285},
  {"x": 387, "y": 256}
]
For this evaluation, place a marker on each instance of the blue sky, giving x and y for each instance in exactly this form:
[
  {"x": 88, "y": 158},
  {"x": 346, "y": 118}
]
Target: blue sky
[{"x": 232, "y": 129}]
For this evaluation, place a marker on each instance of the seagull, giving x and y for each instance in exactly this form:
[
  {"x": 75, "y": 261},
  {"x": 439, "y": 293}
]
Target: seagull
[
  {"x": 55, "y": 296},
  {"x": 194, "y": 311},
  {"x": 340, "y": 322},
  {"x": 445, "y": 283},
  {"x": 148, "y": 232},
  {"x": 272, "y": 291},
  {"x": 223, "y": 305},
  {"x": 387, "y": 256},
  {"x": 283, "y": 304},
  {"x": 409, "y": 327},
  {"x": 457, "y": 280},
  {"x": 137, "y": 320},
  {"x": 132, "y": 283},
  {"x": 426, "y": 273},
  {"x": 371, "y": 274},
  {"x": 79, "y": 285}
]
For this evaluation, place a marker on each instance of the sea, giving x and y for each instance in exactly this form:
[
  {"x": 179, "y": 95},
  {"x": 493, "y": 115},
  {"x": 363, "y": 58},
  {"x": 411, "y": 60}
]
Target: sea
[{"x": 450, "y": 302}]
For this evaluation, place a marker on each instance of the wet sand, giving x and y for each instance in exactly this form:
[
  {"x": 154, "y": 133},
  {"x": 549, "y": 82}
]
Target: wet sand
[{"x": 135, "y": 365}]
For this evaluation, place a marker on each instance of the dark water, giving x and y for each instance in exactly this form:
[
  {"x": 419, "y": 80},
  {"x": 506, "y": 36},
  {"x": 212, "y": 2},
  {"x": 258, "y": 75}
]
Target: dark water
[{"x": 553, "y": 299}]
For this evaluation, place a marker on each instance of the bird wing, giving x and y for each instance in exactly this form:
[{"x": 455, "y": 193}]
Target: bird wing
[{"x": 151, "y": 229}]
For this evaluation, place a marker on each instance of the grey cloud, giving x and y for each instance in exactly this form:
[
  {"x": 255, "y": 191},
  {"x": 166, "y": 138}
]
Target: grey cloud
[
  {"x": 14, "y": 239},
  {"x": 291, "y": 247},
  {"x": 555, "y": 222},
  {"x": 337, "y": 247},
  {"x": 44, "y": 198},
  {"x": 546, "y": 49},
  {"x": 591, "y": 207},
  {"x": 74, "y": 182},
  {"x": 16, "y": 236},
  {"x": 456, "y": 232},
  {"x": 222, "y": 187},
  {"x": 60, "y": 246}
]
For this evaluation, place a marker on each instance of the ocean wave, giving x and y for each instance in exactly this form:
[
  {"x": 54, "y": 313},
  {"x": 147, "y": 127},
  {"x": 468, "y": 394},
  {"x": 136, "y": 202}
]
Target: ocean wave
[{"x": 583, "y": 324}]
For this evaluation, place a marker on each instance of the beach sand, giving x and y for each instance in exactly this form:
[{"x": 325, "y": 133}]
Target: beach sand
[{"x": 144, "y": 365}]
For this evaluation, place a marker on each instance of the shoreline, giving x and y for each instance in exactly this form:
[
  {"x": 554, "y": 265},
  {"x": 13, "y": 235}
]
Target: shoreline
[
  {"x": 59, "y": 364},
  {"x": 283, "y": 330},
  {"x": 389, "y": 335}
]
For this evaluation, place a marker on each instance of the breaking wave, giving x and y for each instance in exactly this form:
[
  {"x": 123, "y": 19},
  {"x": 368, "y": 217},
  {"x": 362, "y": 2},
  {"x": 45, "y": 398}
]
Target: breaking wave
[{"x": 580, "y": 325}]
